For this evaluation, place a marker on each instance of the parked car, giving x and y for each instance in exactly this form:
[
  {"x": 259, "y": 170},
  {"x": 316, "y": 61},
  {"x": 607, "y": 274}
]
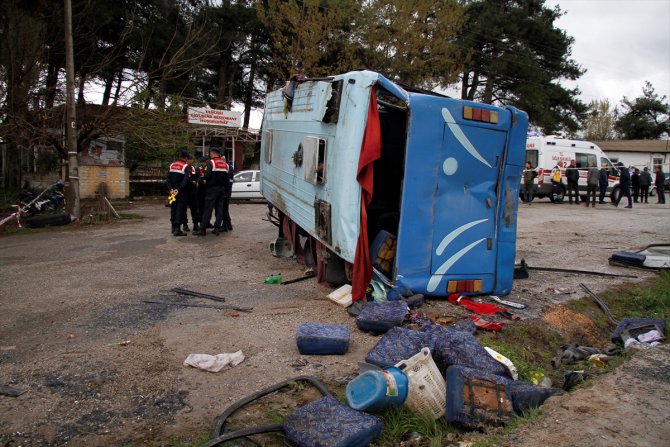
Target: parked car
[
  {"x": 247, "y": 185},
  {"x": 666, "y": 184}
]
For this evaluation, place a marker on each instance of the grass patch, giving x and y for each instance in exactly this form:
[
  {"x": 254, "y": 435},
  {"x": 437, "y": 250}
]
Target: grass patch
[
  {"x": 530, "y": 345},
  {"x": 400, "y": 424}
]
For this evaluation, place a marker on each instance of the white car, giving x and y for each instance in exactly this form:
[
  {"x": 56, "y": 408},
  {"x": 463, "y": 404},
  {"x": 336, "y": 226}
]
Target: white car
[{"x": 247, "y": 185}]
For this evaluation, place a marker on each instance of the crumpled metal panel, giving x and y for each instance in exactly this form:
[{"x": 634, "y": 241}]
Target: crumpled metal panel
[{"x": 283, "y": 183}]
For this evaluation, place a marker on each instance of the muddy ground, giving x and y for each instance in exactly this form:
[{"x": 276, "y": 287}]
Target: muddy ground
[{"x": 102, "y": 368}]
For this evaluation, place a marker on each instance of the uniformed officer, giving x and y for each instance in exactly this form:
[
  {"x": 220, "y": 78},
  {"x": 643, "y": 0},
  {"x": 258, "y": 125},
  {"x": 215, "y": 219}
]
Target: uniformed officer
[
  {"x": 178, "y": 178},
  {"x": 215, "y": 179},
  {"x": 227, "y": 222},
  {"x": 200, "y": 194},
  {"x": 192, "y": 201}
]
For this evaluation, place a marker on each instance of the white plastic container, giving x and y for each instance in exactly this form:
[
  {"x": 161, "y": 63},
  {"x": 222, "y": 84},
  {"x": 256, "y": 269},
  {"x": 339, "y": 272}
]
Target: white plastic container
[{"x": 427, "y": 389}]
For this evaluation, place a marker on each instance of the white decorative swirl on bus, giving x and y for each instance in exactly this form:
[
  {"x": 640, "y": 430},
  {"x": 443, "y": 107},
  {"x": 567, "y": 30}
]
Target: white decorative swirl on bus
[
  {"x": 460, "y": 136},
  {"x": 454, "y": 234},
  {"x": 435, "y": 279}
]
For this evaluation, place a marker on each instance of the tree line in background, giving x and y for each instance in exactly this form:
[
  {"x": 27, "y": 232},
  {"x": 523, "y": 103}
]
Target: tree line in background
[{"x": 157, "y": 57}]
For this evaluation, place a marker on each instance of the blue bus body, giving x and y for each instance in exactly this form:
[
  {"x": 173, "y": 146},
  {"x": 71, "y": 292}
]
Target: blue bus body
[{"x": 446, "y": 184}]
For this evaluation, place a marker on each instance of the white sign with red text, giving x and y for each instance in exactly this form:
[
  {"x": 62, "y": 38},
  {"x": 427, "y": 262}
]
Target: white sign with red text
[{"x": 214, "y": 117}]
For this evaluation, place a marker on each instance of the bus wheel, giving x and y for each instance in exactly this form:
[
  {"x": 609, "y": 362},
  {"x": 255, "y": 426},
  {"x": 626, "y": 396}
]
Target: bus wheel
[{"x": 614, "y": 196}]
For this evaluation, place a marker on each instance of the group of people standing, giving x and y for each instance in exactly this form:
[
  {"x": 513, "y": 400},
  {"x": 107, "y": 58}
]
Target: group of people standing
[
  {"x": 597, "y": 182},
  {"x": 203, "y": 189}
]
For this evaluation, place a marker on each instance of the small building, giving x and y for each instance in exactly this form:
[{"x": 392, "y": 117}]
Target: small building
[{"x": 638, "y": 153}]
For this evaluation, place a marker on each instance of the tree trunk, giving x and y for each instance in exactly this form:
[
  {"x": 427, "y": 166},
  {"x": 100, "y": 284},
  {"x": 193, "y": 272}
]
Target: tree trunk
[
  {"x": 473, "y": 87},
  {"x": 150, "y": 92},
  {"x": 162, "y": 94},
  {"x": 223, "y": 78},
  {"x": 81, "y": 100},
  {"x": 107, "y": 93},
  {"x": 51, "y": 84},
  {"x": 488, "y": 90},
  {"x": 464, "y": 84},
  {"x": 119, "y": 81},
  {"x": 249, "y": 94},
  {"x": 231, "y": 82}
]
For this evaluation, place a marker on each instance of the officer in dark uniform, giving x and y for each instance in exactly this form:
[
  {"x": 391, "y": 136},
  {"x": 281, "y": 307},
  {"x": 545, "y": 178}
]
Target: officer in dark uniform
[
  {"x": 215, "y": 179},
  {"x": 192, "y": 201},
  {"x": 200, "y": 190},
  {"x": 227, "y": 223},
  {"x": 178, "y": 178}
]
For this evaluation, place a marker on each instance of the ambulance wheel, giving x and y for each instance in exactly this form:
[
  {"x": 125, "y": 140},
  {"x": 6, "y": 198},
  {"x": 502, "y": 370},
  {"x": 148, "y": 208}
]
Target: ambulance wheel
[{"x": 616, "y": 192}]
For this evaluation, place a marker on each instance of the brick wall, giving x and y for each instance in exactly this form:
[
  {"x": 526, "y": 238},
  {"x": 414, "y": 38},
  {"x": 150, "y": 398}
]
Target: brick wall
[{"x": 116, "y": 177}]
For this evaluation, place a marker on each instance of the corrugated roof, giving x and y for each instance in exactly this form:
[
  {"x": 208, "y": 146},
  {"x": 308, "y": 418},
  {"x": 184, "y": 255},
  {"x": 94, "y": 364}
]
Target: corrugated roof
[{"x": 662, "y": 146}]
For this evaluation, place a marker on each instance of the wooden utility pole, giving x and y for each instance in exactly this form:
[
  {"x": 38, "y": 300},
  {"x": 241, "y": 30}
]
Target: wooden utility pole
[{"x": 71, "y": 122}]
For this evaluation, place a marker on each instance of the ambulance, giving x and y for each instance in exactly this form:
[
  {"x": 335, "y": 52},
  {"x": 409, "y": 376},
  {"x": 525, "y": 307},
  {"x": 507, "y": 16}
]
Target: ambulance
[
  {"x": 546, "y": 152},
  {"x": 354, "y": 157}
]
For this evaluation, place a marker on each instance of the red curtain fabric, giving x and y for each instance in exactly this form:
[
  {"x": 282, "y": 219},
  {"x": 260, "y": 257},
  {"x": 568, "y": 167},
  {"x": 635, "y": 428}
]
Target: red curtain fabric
[{"x": 370, "y": 151}]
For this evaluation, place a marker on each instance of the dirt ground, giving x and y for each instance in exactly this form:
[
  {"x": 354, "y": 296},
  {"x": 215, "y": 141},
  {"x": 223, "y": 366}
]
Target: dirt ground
[{"x": 103, "y": 368}]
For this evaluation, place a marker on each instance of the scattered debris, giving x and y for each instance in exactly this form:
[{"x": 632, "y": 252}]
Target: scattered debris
[
  {"x": 198, "y": 294},
  {"x": 574, "y": 378},
  {"x": 11, "y": 391},
  {"x": 342, "y": 296},
  {"x": 481, "y": 323},
  {"x": 302, "y": 278},
  {"x": 273, "y": 279},
  {"x": 214, "y": 363},
  {"x": 209, "y": 306},
  {"x": 206, "y": 296},
  {"x": 507, "y": 363},
  {"x": 497, "y": 299},
  {"x": 579, "y": 272},
  {"x": 562, "y": 291},
  {"x": 600, "y": 303},
  {"x": 481, "y": 308},
  {"x": 656, "y": 256},
  {"x": 575, "y": 353}
]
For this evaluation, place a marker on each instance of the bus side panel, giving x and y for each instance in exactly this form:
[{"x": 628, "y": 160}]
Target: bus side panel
[
  {"x": 283, "y": 178},
  {"x": 507, "y": 223}
]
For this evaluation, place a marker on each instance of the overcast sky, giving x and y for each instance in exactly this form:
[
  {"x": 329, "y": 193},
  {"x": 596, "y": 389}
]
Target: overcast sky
[{"x": 621, "y": 43}]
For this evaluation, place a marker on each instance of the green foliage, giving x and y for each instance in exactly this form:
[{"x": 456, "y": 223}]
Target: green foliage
[
  {"x": 152, "y": 135},
  {"x": 522, "y": 357},
  {"x": 411, "y": 41},
  {"x": 600, "y": 121},
  {"x": 516, "y": 57},
  {"x": 640, "y": 300},
  {"x": 645, "y": 117},
  {"x": 400, "y": 422}
]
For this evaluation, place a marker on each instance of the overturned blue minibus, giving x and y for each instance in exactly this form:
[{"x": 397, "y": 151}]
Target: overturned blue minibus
[{"x": 350, "y": 157}]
